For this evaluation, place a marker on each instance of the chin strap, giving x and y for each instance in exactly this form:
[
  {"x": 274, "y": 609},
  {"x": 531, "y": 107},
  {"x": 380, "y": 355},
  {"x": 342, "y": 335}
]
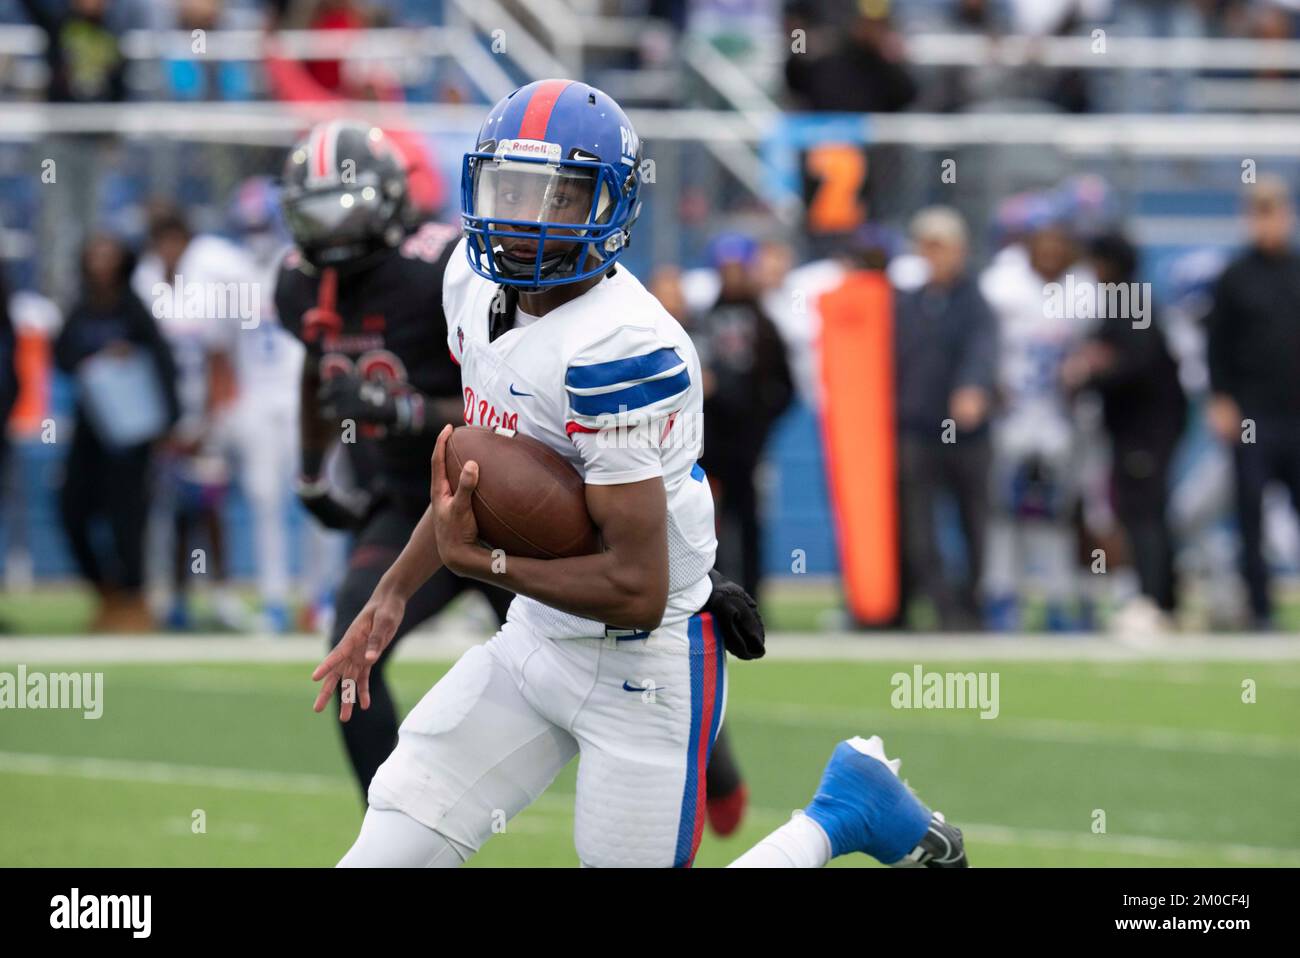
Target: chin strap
[{"x": 502, "y": 320}]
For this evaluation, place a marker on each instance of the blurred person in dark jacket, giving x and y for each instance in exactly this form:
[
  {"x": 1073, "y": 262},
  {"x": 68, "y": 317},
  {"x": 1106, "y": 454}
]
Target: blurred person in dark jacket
[
  {"x": 1143, "y": 409},
  {"x": 850, "y": 67},
  {"x": 945, "y": 354},
  {"x": 8, "y": 392},
  {"x": 1252, "y": 350},
  {"x": 8, "y": 374},
  {"x": 747, "y": 385},
  {"x": 85, "y": 65},
  {"x": 847, "y": 62},
  {"x": 104, "y": 480},
  {"x": 82, "y": 51}
]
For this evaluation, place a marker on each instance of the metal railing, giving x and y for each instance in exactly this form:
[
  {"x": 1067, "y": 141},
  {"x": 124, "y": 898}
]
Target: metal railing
[
  {"x": 922, "y": 49},
  {"x": 1153, "y": 134}
]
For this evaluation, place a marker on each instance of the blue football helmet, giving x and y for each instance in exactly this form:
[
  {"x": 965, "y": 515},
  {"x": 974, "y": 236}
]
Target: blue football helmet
[{"x": 550, "y": 193}]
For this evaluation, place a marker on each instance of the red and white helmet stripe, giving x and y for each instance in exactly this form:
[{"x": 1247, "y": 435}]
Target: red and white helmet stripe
[{"x": 322, "y": 153}]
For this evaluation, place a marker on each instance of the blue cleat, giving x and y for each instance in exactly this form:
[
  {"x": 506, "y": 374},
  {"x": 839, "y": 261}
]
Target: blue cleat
[
  {"x": 863, "y": 806},
  {"x": 1059, "y": 621},
  {"x": 1002, "y": 613},
  {"x": 178, "y": 618},
  {"x": 275, "y": 619}
]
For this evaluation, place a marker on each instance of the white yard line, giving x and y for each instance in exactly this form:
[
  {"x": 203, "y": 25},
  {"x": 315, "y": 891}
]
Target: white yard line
[
  {"x": 791, "y": 646},
  {"x": 1140, "y": 845},
  {"x": 1171, "y": 672},
  {"x": 166, "y": 773},
  {"x": 849, "y": 718},
  {"x": 214, "y": 648},
  {"x": 1029, "y": 648},
  {"x": 1070, "y": 731}
]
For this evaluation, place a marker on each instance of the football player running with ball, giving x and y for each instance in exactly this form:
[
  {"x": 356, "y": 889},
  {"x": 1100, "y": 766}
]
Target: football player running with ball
[
  {"x": 617, "y": 658},
  {"x": 363, "y": 290}
]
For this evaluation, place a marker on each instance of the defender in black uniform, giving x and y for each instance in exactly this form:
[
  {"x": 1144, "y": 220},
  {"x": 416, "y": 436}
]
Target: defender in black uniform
[{"x": 364, "y": 294}]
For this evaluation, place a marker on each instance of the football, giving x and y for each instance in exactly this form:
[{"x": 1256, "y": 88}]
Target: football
[{"x": 529, "y": 501}]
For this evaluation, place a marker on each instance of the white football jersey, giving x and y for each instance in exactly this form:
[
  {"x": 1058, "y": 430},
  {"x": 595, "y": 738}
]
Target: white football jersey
[
  {"x": 209, "y": 265},
  {"x": 267, "y": 358},
  {"x": 1034, "y": 339},
  {"x": 612, "y": 357}
]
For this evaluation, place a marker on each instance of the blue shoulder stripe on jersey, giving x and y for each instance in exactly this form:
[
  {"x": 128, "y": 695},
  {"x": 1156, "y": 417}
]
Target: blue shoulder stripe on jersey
[
  {"x": 633, "y": 397},
  {"x": 622, "y": 370}
]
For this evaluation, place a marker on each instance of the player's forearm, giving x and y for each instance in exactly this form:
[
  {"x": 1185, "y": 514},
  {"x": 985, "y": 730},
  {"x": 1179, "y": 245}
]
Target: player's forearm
[
  {"x": 448, "y": 411},
  {"x": 417, "y": 563},
  {"x": 604, "y": 586},
  {"x": 314, "y": 450},
  {"x": 314, "y": 433},
  {"x": 401, "y": 412},
  {"x": 222, "y": 387},
  {"x": 421, "y": 415}
]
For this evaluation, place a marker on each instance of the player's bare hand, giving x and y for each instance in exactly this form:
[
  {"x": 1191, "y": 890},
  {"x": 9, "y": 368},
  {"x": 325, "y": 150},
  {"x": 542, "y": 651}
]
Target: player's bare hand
[
  {"x": 349, "y": 663},
  {"x": 968, "y": 406},
  {"x": 453, "y": 512},
  {"x": 1224, "y": 416}
]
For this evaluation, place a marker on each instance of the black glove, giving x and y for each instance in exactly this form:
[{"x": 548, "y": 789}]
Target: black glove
[
  {"x": 735, "y": 615},
  {"x": 371, "y": 401},
  {"x": 332, "y": 509}
]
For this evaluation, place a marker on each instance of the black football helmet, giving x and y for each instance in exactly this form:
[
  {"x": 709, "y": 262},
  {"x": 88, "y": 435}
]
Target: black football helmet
[{"x": 345, "y": 193}]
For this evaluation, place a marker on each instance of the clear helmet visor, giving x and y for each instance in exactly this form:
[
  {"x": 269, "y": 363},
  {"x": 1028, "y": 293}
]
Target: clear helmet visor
[{"x": 537, "y": 193}]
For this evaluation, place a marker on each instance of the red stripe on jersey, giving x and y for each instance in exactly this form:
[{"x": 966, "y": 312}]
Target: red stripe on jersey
[
  {"x": 707, "y": 731},
  {"x": 672, "y": 418},
  {"x": 571, "y": 427},
  {"x": 538, "y": 114},
  {"x": 453, "y": 356}
]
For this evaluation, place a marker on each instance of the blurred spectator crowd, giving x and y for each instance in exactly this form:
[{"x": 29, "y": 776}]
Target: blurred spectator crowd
[
  {"x": 838, "y": 55},
  {"x": 1051, "y": 473},
  {"x": 1039, "y": 417},
  {"x": 184, "y": 388},
  {"x": 1044, "y": 473}
]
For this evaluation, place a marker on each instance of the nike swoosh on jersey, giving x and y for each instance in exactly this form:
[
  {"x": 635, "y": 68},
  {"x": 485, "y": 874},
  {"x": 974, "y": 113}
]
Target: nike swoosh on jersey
[
  {"x": 515, "y": 392},
  {"x": 627, "y": 687}
]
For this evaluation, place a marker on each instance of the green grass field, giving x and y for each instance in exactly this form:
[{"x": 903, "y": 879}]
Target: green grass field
[{"x": 1185, "y": 772}]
